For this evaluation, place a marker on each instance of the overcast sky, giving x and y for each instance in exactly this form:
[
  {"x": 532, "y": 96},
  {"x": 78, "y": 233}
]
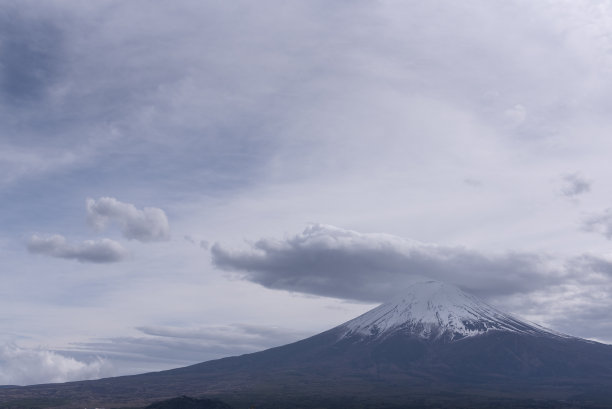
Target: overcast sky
[{"x": 186, "y": 180}]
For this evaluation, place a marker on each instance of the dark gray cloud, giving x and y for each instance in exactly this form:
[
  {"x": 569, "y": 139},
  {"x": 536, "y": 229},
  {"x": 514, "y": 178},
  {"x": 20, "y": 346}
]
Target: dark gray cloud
[
  {"x": 31, "y": 54},
  {"x": 330, "y": 261},
  {"x": 579, "y": 304},
  {"x": 575, "y": 185},
  {"x": 600, "y": 223},
  {"x": 148, "y": 224},
  {"x": 92, "y": 251},
  {"x": 588, "y": 263},
  {"x": 590, "y": 321}
]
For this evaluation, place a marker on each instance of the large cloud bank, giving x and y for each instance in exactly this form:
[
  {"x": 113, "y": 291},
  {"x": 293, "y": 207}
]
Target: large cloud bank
[
  {"x": 569, "y": 294},
  {"x": 331, "y": 261}
]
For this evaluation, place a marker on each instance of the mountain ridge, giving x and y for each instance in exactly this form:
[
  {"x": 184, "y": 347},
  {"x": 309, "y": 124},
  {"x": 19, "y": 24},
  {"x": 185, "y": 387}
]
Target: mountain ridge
[{"x": 503, "y": 359}]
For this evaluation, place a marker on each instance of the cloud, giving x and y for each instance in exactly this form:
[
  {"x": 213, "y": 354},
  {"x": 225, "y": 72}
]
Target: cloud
[
  {"x": 472, "y": 182},
  {"x": 577, "y": 305},
  {"x": 398, "y": 99},
  {"x": 329, "y": 261},
  {"x": 246, "y": 335},
  {"x": 575, "y": 185},
  {"x": 204, "y": 244},
  {"x": 93, "y": 251},
  {"x": 21, "y": 366},
  {"x": 569, "y": 294},
  {"x": 517, "y": 114},
  {"x": 148, "y": 224},
  {"x": 175, "y": 346},
  {"x": 600, "y": 223},
  {"x": 31, "y": 50}
]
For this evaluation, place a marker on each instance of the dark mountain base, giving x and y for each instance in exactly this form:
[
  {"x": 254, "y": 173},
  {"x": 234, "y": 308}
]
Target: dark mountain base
[
  {"x": 441, "y": 401},
  {"x": 186, "y": 402},
  {"x": 424, "y": 402},
  {"x": 497, "y": 369}
]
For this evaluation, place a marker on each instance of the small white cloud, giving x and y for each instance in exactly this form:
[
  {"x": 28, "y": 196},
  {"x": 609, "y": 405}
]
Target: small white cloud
[
  {"x": 517, "y": 114},
  {"x": 148, "y": 224},
  {"x": 93, "y": 251},
  {"x": 21, "y": 366}
]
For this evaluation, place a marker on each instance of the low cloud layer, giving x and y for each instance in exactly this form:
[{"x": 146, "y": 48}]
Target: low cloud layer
[
  {"x": 90, "y": 251},
  {"x": 329, "y": 261},
  {"x": 21, "y": 366},
  {"x": 245, "y": 337},
  {"x": 175, "y": 346},
  {"x": 148, "y": 224}
]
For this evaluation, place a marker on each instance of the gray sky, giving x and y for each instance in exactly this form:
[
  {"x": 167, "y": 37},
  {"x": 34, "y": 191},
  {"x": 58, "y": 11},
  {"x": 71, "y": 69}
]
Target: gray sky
[{"x": 185, "y": 180}]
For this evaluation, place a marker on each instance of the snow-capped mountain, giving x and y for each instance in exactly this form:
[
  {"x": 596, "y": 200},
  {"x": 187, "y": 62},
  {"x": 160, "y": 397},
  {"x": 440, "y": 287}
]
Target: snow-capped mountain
[
  {"x": 436, "y": 310},
  {"x": 434, "y": 346}
]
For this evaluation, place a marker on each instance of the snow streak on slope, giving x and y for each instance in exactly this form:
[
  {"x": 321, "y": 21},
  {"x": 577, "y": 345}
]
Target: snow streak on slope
[{"x": 435, "y": 310}]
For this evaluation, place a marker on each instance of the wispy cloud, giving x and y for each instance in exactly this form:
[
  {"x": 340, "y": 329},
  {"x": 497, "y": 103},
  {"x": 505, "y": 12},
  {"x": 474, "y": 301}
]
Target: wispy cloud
[
  {"x": 175, "y": 346},
  {"x": 574, "y": 185},
  {"x": 92, "y": 251},
  {"x": 599, "y": 223},
  {"x": 148, "y": 224},
  {"x": 247, "y": 335}
]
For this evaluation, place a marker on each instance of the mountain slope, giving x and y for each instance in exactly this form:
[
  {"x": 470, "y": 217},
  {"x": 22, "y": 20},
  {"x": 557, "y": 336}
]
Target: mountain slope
[{"x": 435, "y": 342}]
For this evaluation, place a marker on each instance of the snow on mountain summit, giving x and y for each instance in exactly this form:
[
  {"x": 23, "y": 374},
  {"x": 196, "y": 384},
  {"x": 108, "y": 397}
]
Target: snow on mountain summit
[{"x": 435, "y": 310}]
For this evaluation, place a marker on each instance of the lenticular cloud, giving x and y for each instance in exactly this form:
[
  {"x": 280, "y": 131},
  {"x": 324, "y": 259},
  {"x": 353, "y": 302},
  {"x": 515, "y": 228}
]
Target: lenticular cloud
[{"x": 330, "y": 261}]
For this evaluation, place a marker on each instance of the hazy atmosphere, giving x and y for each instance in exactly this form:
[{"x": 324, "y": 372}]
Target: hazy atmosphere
[{"x": 186, "y": 180}]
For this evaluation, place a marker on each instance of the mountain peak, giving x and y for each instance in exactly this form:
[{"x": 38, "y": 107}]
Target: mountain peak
[{"x": 436, "y": 310}]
